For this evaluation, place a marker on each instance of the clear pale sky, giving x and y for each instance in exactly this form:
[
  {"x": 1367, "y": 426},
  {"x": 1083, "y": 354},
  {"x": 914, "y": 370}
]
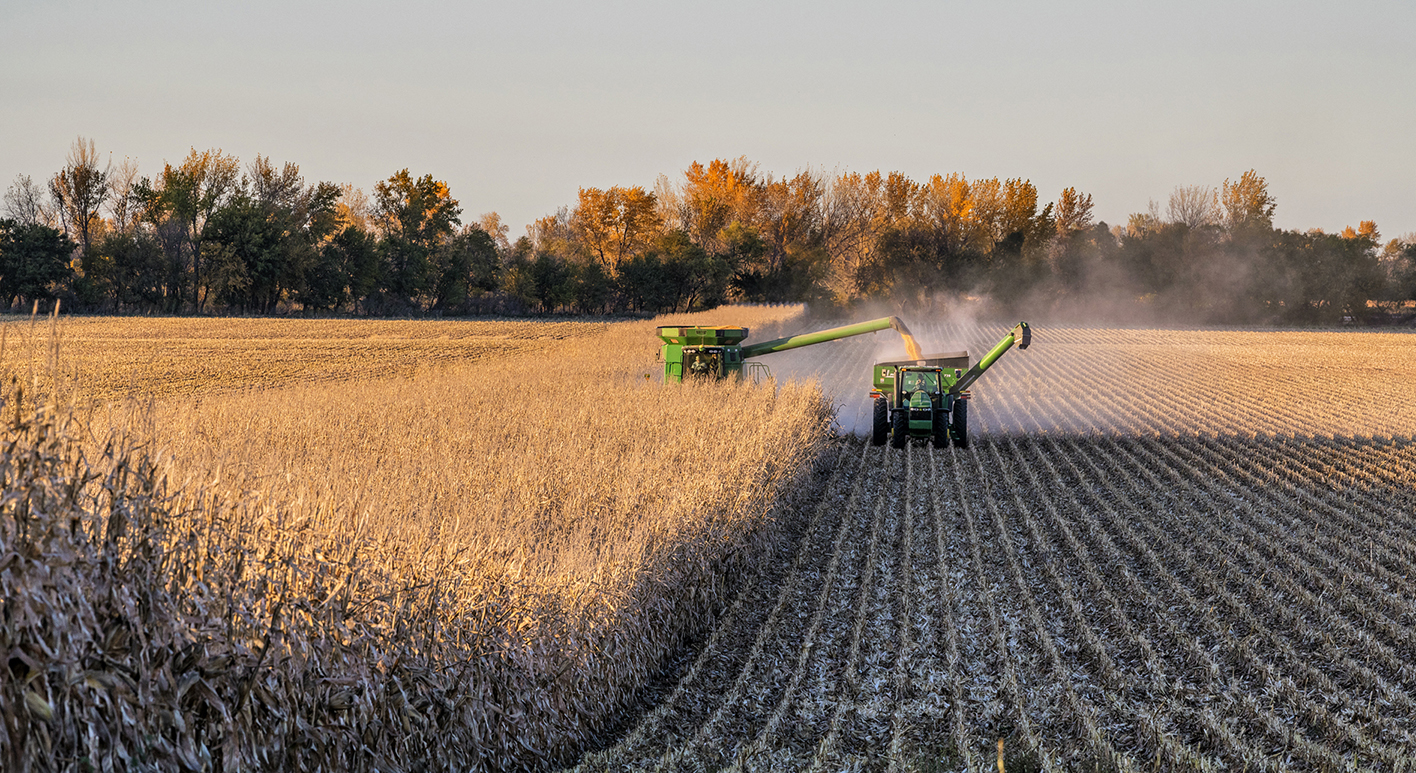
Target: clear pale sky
[{"x": 518, "y": 104}]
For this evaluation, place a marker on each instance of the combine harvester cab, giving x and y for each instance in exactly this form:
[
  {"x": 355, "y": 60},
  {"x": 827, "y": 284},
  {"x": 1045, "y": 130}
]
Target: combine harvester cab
[
  {"x": 701, "y": 352},
  {"x": 928, "y": 397}
]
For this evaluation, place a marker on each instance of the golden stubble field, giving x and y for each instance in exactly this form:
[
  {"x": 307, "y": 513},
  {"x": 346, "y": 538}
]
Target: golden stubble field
[{"x": 183, "y": 357}]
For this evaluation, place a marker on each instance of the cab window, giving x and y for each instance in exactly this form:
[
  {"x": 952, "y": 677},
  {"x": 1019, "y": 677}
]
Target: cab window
[{"x": 912, "y": 381}]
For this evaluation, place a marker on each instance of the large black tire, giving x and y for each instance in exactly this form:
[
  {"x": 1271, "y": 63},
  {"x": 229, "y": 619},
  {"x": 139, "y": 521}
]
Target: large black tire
[
  {"x": 960, "y": 429},
  {"x": 941, "y": 429},
  {"x": 880, "y": 428},
  {"x": 900, "y": 431}
]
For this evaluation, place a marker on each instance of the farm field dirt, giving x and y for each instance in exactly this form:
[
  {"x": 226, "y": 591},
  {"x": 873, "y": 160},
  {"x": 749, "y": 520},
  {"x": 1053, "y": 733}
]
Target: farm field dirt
[{"x": 1163, "y": 550}]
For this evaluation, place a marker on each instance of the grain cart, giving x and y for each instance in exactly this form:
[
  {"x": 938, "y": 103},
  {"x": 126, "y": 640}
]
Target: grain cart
[
  {"x": 927, "y": 397},
  {"x": 716, "y": 352}
]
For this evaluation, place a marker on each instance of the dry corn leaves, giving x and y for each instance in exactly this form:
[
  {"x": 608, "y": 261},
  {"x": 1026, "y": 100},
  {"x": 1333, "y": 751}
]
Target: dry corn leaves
[{"x": 158, "y": 618}]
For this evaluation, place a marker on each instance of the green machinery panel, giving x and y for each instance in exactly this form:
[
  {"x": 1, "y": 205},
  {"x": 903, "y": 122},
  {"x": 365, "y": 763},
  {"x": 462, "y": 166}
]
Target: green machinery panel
[{"x": 717, "y": 351}]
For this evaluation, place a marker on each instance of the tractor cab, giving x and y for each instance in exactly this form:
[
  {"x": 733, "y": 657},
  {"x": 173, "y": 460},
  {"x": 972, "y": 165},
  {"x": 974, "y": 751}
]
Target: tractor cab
[
  {"x": 920, "y": 380},
  {"x": 898, "y": 381},
  {"x": 912, "y": 398},
  {"x": 921, "y": 395}
]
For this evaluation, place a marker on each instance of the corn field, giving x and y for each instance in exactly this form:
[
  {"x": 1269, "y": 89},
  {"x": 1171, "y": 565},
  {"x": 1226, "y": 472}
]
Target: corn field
[
  {"x": 1162, "y": 550},
  {"x": 479, "y": 567}
]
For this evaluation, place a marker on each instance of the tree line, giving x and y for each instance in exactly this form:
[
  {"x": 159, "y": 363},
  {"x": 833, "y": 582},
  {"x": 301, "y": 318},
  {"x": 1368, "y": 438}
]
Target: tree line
[{"x": 210, "y": 235}]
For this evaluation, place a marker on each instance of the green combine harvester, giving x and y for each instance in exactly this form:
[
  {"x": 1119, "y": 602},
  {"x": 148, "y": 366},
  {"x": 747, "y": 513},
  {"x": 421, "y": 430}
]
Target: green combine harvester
[
  {"x": 717, "y": 352},
  {"x": 923, "y": 396}
]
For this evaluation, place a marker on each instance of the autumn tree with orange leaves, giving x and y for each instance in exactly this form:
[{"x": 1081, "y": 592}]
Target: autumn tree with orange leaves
[
  {"x": 616, "y": 223},
  {"x": 413, "y": 216}
]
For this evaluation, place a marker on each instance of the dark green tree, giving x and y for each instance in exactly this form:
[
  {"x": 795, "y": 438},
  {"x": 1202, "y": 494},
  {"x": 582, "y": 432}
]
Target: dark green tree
[
  {"x": 693, "y": 276},
  {"x": 137, "y": 269},
  {"x": 643, "y": 284},
  {"x": 263, "y": 243},
  {"x": 467, "y": 264},
  {"x": 34, "y": 261},
  {"x": 594, "y": 290},
  {"x": 554, "y": 281},
  {"x": 414, "y": 216},
  {"x": 347, "y": 271},
  {"x": 546, "y": 282},
  {"x": 186, "y": 198},
  {"x": 244, "y": 254}
]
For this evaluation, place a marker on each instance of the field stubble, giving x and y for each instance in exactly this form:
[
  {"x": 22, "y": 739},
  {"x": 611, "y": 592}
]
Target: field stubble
[
  {"x": 1164, "y": 550},
  {"x": 176, "y": 357}
]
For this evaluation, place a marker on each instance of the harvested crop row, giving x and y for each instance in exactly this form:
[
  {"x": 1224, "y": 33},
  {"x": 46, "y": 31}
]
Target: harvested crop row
[
  {"x": 1102, "y": 602},
  {"x": 1115, "y": 574}
]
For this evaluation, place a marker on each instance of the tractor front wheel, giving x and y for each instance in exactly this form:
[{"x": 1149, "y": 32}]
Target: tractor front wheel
[
  {"x": 900, "y": 432},
  {"x": 941, "y": 429},
  {"x": 960, "y": 429},
  {"x": 880, "y": 429}
]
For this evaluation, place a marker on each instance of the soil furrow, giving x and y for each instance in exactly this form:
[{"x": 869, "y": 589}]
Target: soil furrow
[{"x": 1114, "y": 576}]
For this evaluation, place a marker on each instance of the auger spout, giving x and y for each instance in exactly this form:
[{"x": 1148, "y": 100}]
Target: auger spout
[{"x": 1021, "y": 335}]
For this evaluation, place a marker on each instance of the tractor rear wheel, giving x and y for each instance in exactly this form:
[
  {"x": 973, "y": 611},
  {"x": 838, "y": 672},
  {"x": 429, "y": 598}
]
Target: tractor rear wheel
[
  {"x": 880, "y": 429},
  {"x": 900, "y": 431},
  {"x": 960, "y": 429}
]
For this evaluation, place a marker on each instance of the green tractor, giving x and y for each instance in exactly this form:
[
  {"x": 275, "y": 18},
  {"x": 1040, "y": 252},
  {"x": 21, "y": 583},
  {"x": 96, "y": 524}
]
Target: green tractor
[{"x": 928, "y": 398}]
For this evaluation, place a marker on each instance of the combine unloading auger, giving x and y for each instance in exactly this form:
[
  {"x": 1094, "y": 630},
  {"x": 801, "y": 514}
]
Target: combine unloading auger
[{"x": 717, "y": 351}]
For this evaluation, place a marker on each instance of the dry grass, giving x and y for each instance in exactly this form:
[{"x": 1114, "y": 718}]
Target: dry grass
[
  {"x": 475, "y": 568},
  {"x": 179, "y": 357}
]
